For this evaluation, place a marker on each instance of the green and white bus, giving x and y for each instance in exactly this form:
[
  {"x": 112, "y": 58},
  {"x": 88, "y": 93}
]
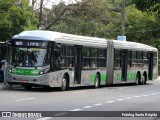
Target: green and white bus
[{"x": 62, "y": 60}]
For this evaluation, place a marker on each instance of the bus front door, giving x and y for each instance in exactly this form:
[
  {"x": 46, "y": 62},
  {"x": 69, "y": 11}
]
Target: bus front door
[
  {"x": 78, "y": 64},
  {"x": 150, "y": 69},
  {"x": 124, "y": 64}
]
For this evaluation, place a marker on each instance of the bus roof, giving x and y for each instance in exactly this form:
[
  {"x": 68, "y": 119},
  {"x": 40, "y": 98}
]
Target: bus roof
[
  {"x": 58, "y": 37},
  {"x": 133, "y": 46},
  {"x": 61, "y": 38}
]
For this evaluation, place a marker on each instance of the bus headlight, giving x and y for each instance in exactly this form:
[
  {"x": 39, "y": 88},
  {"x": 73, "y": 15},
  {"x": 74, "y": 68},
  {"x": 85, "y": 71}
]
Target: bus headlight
[
  {"x": 10, "y": 71},
  {"x": 41, "y": 72},
  {"x": 44, "y": 71}
]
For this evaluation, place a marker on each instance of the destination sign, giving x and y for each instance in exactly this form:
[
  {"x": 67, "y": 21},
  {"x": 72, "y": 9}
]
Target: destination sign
[{"x": 31, "y": 43}]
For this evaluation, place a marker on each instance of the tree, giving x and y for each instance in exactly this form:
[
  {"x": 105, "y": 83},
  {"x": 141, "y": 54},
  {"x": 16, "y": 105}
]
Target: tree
[
  {"x": 15, "y": 17},
  {"x": 151, "y": 6},
  {"x": 89, "y": 17}
]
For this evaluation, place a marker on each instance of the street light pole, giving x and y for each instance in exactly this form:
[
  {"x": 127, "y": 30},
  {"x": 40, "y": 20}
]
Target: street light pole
[{"x": 123, "y": 18}]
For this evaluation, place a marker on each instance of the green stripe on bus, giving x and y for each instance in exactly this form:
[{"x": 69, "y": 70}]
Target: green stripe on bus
[
  {"x": 93, "y": 77},
  {"x": 154, "y": 76},
  {"x": 103, "y": 77},
  {"x": 119, "y": 76},
  {"x": 130, "y": 76},
  {"x": 27, "y": 72}
]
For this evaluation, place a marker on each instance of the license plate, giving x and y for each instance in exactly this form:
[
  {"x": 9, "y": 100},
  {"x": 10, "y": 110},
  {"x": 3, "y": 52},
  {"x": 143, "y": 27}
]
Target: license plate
[{"x": 24, "y": 81}]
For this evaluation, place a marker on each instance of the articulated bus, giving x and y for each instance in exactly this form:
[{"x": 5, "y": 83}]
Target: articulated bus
[{"x": 47, "y": 58}]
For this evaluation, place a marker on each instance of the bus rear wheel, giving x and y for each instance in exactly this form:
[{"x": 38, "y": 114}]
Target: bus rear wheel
[
  {"x": 97, "y": 82},
  {"x": 137, "y": 79},
  {"x": 143, "y": 82},
  {"x": 64, "y": 83}
]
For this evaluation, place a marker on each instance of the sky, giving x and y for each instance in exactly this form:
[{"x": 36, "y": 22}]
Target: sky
[
  {"x": 66, "y": 1},
  {"x": 50, "y": 2}
]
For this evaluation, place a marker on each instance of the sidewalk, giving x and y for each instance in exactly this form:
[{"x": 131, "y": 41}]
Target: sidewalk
[
  {"x": 7, "y": 86},
  {"x": 2, "y": 85}
]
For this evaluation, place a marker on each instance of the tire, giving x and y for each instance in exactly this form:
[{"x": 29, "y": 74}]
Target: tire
[
  {"x": 143, "y": 82},
  {"x": 27, "y": 87},
  {"x": 97, "y": 82},
  {"x": 64, "y": 85},
  {"x": 137, "y": 79}
]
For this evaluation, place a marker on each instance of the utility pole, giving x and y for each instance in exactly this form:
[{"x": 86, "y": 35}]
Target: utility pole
[
  {"x": 40, "y": 13},
  {"x": 123, "y": 18}
]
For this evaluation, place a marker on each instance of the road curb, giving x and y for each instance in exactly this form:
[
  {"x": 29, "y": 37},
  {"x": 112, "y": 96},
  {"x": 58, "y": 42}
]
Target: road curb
[{"x": 2, "y": 85}]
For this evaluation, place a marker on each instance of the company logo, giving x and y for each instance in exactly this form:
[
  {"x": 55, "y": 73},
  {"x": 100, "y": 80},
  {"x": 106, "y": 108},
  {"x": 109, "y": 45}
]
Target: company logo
[{"x": 6, "y": 114}]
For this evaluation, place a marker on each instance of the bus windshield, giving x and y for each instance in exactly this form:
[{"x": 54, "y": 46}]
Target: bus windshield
[{"x": 30, "y": 57}]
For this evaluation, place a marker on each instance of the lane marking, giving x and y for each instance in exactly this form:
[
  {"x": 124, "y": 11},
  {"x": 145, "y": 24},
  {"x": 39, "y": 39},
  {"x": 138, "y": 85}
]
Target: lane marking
[
  {"x": 87, "y": 107},
  {"x": 80, "y": 92},
  {"x": 120, "y": 99},
  {"x": 98, "y": 104},
  {"x": 122, "y": 88},
  {"x": 45, "y": 118},
  {"x": 109, "y": 101},
  {"x": 24, "y": 99},
  {"x": 128, "y": 97},
  {"x": 154, "y": 94},
  {"x": 145, "y": 95},
  {"x": 137, "y": 96},
  {"x": 76, "y": 109}
]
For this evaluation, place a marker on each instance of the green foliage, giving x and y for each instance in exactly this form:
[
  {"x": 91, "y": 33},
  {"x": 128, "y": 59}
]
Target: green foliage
[
  {"x": 151, "y": 6},
  {"x": 90, "y": 19},
  {"x": 103, "y": 19},
  {"x": 15, "y": 18}
]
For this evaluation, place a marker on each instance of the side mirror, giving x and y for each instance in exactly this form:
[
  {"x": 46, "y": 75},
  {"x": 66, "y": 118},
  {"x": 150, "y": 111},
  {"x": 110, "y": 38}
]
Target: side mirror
[
  {"x": 9, "y": 42},
  {"x": 3, "y": 61}
]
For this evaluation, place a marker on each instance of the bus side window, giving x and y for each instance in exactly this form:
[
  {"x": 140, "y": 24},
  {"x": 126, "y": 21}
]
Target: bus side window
[
  {"x": 70, "y": 56},
  {"x": 94, "y": 57},
  {"x": 63, "y": 55},
  {"x": 117, "y": 59},
  {"x": 102, "y": 57},
  {"x": 155, "y": 59},
  {"x": 86, "y": 58},
  {"x": 134, "y": 61}
]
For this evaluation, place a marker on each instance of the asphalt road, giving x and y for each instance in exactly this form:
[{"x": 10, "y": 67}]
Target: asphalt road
[{"x": 92, "y": 102}]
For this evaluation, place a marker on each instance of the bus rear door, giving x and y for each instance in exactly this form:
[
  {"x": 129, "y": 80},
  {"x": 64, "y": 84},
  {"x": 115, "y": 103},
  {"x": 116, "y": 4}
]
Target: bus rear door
[
  {"x": 78, "y": 64},
  {"x": 150, "y": 62},
  {"x": 124, "y": 57}
]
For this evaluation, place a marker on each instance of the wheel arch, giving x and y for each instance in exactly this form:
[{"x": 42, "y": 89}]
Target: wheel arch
[
  {"x": 99, "y": 75},
  {"x": 68, "y": 78},
  {"x": 145, "y": 75},
  {"x": 139, "y": 74}
]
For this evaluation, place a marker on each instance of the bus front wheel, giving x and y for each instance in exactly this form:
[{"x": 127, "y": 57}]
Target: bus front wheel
[
  {"x": 97, "y": 82},
  {"x": 64, "y": 83},
  {"x": 137, "y": 79},
  {"x": 143, "y": 82}
]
